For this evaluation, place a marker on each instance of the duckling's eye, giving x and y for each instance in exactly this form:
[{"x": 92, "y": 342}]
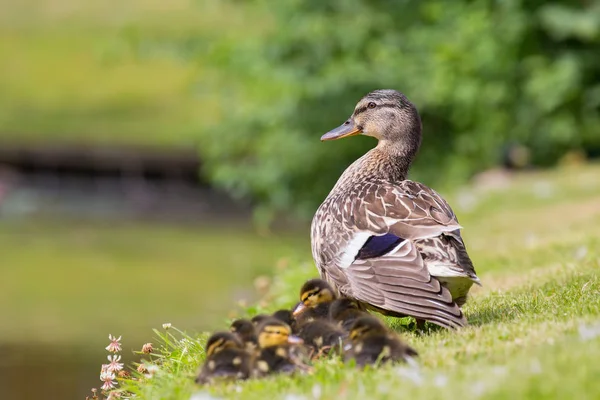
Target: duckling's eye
[
  {"x": 371, "y": 105},
  {"x": 277, "y": 332}
]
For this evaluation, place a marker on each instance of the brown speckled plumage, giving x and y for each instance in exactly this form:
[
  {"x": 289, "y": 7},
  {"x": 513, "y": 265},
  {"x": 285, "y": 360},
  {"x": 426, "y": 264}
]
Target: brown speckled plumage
[{"x": 427, "y": 274}]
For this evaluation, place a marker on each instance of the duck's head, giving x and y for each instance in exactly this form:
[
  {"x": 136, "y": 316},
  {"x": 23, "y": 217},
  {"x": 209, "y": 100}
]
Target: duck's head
[
  {"x": 220, "y": 341},
  {"x": 384, "y": 114},
  {"x": 243, "y": 328},
  {"x": 365, "y": 326},
  {"x": 273, "y": 332},
  {"x": 340, "y": 306},
  {"x": 313, "y": 293}
]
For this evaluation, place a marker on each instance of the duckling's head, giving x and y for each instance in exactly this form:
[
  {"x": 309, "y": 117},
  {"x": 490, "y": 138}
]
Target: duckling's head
[
  {"x": 258, "y": 319},
  {"x": 340, "y": 306},
  {"x": 285, "y": 316},
  {"x": 384, "y": 114},
  {"x": 367, "y": 325},
  {"x": 274, "y": 332},
  {"x": 244, "y": 328},
  {"x": 221, "y": 341},
  {"x": 315, "y": 292}
]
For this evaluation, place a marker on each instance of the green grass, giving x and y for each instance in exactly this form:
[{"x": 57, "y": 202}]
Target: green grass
[{"x": 538, "y": 258}]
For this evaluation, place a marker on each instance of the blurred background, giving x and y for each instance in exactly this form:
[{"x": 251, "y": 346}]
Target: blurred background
[{"x": 150, "y": 150}]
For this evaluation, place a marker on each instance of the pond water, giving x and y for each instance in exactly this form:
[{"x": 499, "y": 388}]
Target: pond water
[{"x": 67, "y": 285}]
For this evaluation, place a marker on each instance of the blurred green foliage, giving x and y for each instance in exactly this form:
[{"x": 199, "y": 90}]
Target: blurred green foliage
[
  {"x": 483, "y": 74},
  {"x": 255, "y": 83}
]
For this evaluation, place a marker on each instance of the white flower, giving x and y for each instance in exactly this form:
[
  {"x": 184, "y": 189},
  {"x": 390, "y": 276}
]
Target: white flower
[
  {"x": 115, "y": 365},
  {"x": 114, "y": 346},
  {"x": 109, "y": 380},
  {"x": 151, "y": 369},
  {"x": 166, "y": 325}
]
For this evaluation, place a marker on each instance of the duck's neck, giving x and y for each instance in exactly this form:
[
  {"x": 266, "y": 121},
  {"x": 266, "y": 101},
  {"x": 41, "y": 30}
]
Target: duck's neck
[
  {"x": 388, "y": 161},
  {"x": 393, "y": 159}
]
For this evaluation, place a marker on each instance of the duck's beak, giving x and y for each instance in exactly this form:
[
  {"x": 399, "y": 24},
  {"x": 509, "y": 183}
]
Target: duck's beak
[
  {"x": 300, "y": 307},
  {"x": 295, "y": 340},
  {"x": 348, "y": 128}
]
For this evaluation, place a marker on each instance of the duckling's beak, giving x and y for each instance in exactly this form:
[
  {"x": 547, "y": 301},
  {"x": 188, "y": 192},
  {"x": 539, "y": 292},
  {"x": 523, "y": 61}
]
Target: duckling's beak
[
  {"x": 295, "y": 340},
  {"x": 348, "y": 128},
  {"x": 298, "y": 309}
]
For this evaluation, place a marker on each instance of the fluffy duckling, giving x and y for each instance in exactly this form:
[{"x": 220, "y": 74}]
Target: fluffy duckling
[
  {"x": 246, "y": 331},
  {"x": 286, "y": 316},
  {"x": 279, "y": 349},
  {"x": 322, "y": 336},
  {"x": 373, "y": 342},
  {"x": 283, "y": 315},
  {"x": 258, "y": 319},
  {"x": 316, "y": 296},
  {"x": 226, "y": 359},
  {"x": 345, "y": 312}
]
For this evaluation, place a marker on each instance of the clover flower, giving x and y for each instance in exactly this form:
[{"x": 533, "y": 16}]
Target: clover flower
[
  {"x": 115, "y": 365},
  {"x": 109, "y": 380},
  {"x": 147, "y": 348},
  {"x": 115, "y": 345}
]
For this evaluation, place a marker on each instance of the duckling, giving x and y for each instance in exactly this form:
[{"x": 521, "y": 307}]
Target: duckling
[
  {"x": 316, "y": 296},
  {"x": 372, "y": 342},
  {"x": 226, "y": 359},
  {"x": 246, "y": 331},
  {"x": 322, "y": 336},
  {"x": 286, "y": 316},
  {"x": 279, "y": 349},
  {"x": 258, "y": 319},
  {"x": 344, "y": 312}
]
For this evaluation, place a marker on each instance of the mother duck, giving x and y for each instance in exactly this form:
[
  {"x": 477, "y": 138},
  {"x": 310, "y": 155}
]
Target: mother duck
[{"x": 392, "y": 244}]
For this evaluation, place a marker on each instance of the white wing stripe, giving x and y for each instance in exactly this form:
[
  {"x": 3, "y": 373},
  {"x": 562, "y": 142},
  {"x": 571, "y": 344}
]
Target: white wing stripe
[{"x": 346, "y": 258}]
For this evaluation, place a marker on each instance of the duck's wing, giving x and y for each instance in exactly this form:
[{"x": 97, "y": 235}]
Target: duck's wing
[
  {"x": 399, "y": 282},
  {"x": 375, "y": 259},
  {"x": 409, "y": 210}
]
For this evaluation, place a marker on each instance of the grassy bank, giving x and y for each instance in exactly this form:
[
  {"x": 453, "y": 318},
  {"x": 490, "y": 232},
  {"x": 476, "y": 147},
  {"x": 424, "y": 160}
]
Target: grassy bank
[{"x": 534, "y": 326}]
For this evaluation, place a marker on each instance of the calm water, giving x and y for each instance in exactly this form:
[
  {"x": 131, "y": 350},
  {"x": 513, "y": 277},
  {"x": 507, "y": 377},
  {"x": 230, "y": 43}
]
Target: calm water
[{"x": 67, "y": 285}]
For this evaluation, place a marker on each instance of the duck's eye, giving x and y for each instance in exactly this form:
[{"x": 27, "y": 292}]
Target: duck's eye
[{"x": 371, "y": 105}]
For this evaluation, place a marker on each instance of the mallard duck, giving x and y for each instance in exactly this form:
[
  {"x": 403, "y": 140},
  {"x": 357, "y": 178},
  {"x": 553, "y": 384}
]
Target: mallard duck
[
  {"x": 226, "y": 359},
  {"x": 279, "y": 349},
  {"x": 246, "y": 331},
  {"x": 344, "y": 312},
  {"x": 390, "y": 243},
  {"x": 372, "y": 342},
  {"x": 322, "y": 336},
  {"x": 316, "y": 296}
]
